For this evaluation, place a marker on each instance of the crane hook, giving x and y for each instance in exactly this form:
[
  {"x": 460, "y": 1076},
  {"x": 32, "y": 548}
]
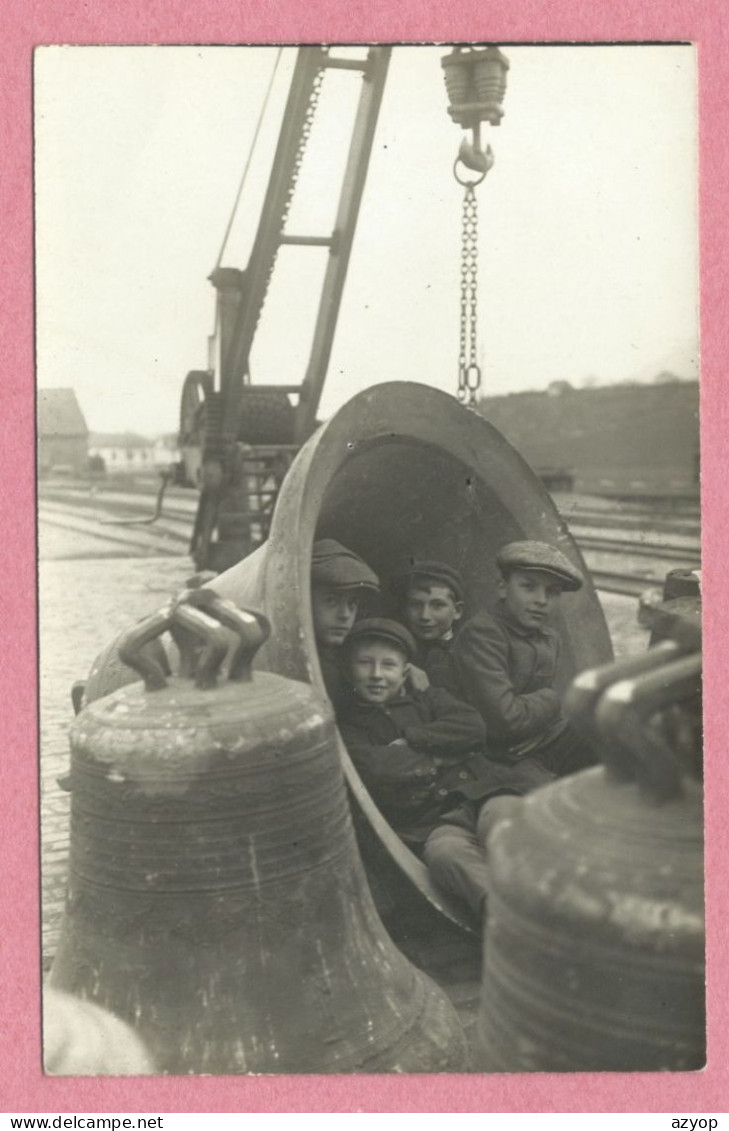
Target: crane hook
[{"x": 473, "y": 157}]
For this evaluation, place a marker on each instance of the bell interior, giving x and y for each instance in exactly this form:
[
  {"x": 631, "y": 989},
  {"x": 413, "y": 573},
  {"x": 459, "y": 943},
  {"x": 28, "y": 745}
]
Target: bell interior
[{"x": 396, "y": 499}]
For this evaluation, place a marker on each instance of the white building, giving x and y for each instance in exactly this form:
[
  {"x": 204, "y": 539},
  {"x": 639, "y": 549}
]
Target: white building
[
  {"x": 166, "y": 451},
  {"x": 123, "y": 452}
]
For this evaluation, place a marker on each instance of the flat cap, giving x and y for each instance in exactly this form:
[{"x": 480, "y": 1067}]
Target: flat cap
[
  {"x": 541, "y": 556},
  {"x": 423, "y": 570},
  {"x": 379, "y": 628},
  {"x": 335, "y": 565}
]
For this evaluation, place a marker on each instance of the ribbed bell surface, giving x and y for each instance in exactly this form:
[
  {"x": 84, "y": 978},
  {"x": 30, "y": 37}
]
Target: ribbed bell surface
[
  {"x": 216, "y": 897},
  {"x": 594, "y": 956}
]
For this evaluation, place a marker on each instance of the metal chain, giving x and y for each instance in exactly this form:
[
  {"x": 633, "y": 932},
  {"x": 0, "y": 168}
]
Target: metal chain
[
  {"x": 304, "y": 139},
  {"x": 469, "y": 372},
  {"x": 298, "y": 161}
]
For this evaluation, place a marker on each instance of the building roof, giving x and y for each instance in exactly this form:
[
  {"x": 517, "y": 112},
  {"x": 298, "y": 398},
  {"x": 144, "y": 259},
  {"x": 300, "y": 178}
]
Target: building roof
[
  {"x": 119, "y": 440},
  {"x": 59, "y": 414}
]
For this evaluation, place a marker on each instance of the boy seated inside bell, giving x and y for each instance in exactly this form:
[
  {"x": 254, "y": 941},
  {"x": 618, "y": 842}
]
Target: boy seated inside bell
[
  {"x": 431, "y": 597},
  {"x": 419, "y": 753},
  {"x": 339, "y": 582},
  {"x": 507, "y": 662}
]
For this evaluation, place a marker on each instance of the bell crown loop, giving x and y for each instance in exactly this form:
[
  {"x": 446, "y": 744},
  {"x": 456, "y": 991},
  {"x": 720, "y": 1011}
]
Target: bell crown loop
[
  {"x": 198, "y": 621},
  {"x": 204, "y": 649},
  {"x": 619, "y": 705},
  {"x": 251, "y": 626},
  {"x": 131, "y": 647},
  {"x": 633, "y": 748}
]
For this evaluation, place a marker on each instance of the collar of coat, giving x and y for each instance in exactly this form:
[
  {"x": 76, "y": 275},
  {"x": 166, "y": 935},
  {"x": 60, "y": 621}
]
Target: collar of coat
[
  {"x": 438, "y": 642},
  {"x": 519, "y": 629}
]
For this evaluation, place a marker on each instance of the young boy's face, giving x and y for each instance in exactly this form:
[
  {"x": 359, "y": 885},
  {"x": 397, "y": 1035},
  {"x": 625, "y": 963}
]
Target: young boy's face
[
  {"x": 529, "y": 596},
  {"x": 431, "y": 610},
  {"x": 379, "y": 670},
  {"x": 333, "y": 612}
]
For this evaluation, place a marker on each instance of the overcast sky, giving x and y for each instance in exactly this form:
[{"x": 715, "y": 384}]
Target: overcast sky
[{"x": 588, "y": 243}]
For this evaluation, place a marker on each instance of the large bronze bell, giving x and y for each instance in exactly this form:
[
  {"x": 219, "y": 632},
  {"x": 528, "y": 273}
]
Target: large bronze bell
[
  {"x": 594, "y": 955},
  {"x": 401, "y": 469},
  {"x": 216, "y": 898}
]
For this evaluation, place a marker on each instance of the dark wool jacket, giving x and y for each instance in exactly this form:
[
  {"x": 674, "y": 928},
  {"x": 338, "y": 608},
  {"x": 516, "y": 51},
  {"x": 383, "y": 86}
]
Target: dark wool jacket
[
  {"x": 436, "y": 659},
  {"x": 440, "y": 762},
  {"x": 335, "y": 682},
  {"x": 508, "y": 674}
]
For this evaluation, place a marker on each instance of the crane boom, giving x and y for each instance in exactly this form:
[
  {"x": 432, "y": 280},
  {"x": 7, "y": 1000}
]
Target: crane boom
[
  {"x": 342, "y": 237},
  {"x": 270, "y": 236},
  {"x": 249, "y": 491}
]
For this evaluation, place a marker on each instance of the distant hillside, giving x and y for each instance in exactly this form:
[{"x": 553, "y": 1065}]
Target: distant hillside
[{"x": 632, "y": 439}]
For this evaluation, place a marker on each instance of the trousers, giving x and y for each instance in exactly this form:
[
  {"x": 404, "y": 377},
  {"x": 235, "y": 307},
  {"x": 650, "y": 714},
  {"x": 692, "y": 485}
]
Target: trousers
[
  {"x": 456, "y": 851},
  {"x": 457, "y": 858}
]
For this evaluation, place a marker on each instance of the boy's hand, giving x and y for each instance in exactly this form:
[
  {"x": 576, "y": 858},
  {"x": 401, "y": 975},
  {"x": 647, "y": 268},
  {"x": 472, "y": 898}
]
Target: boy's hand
[
  {"x": 417, "y": 679},
  {"x": 397, "y": 742}
]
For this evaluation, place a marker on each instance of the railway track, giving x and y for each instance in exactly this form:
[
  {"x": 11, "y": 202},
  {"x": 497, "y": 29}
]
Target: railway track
[
  {"x": 626, "y": 584},
  {"x": 684, "y": 522},
  {"x": 627, "y": 550},
  {"x": 629, "y": 567},
  {"x": 663, "y": 550}
]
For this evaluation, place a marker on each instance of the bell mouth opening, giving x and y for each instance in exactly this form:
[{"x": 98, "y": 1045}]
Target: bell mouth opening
[
  {"x": 403, "y": 471},
  {"x": 399, "y": 499}
]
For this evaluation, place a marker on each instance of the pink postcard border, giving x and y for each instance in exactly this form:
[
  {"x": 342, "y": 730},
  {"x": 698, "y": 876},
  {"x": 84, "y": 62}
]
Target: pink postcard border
[{"x": 24, "y": 1088}]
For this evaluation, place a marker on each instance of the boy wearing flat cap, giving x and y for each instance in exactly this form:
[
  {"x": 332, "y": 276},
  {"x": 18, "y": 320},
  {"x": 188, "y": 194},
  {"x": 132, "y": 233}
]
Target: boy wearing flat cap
[
  {"x": 421, "y": 753},
  {"x": 431, "y": 594},
  {"x": 508, "y": 661},
  {"x": 339, "y": 580},
  {"x": 507, "y": 664}
]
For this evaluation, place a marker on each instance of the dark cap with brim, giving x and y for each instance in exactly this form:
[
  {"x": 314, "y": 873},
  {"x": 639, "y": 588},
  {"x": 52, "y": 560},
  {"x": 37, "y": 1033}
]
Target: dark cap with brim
[
  {"x": 379, "y": 628},
  {"x": 333, "y": 564},
  {"x": 423, "y": 571},
  {"x": 543, "y": 557}
]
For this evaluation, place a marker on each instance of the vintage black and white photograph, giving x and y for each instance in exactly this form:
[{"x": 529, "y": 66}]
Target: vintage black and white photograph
[{"x": 369, "y": 559}]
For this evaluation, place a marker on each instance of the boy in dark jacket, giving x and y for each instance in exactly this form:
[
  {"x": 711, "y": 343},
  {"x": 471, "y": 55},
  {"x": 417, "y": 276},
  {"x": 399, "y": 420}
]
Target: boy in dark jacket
[
  {"x": 339, "y": 580},
  {"x": 507, "y": 662},
  {"x": 431, "y": 595},
  {"x": 420, "y": 754}
]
